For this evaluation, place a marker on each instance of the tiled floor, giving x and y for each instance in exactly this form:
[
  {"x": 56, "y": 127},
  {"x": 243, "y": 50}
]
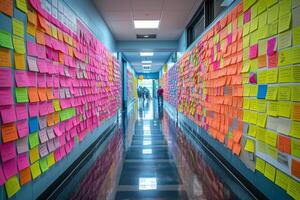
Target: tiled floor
[{"x": 149, "y": 170}]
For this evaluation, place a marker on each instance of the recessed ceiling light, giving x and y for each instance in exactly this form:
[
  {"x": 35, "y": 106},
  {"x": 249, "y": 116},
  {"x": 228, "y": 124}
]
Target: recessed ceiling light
[
  {"x": 146, "y": 65},
  {"x": 146, "y": 24},
  {"x": 146, "y": 61},
  {"x": 146, "y": 36},
  {"x": 146, "y": 53}
]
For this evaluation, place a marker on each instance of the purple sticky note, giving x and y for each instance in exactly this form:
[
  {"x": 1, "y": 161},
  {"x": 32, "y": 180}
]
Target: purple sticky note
[
  {"x": 253, "y": 51},
  {"x": 43, "y": 150},
  {"x": 10, "y": 168},
  {"x": 271, "y": 46},
  {"x": 6, "y": 97},
  {"x": 22, "y": 161},
  {"x": 8, "y": 115},
  {"x": 31, "y": 48},
  {"x": 252, "y": 78},
  {"x": 23, "y": 128},
  {"x": 22, "y": 145},
  {"x": 2, "y": 177},
  {"x": 43, "y": 136},
  {"x": 6, "y": 77},
  {"x": 21, "y": 78},
  {"x": 8, "y": 151},
  {"x": 21, "y": 111},
  {"x": 247, "y": 16}
]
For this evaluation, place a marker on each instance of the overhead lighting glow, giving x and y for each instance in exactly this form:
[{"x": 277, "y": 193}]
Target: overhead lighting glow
[
  {"x": 146, "y": 53},
  {"x": 146, "y": 24},
  {"x": 146, "y": 61},
  {"x": 146, "y": 65},
  {"x": 147, "y": 183}
]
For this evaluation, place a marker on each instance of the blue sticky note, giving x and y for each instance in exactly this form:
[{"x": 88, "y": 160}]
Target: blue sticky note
[
  {"x": 33, "y": 124},
  {"x": 262, "y": 91}
]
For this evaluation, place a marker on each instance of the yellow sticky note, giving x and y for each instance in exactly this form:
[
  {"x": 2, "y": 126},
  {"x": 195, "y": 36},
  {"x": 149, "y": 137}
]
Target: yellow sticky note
[
  {"x": 246, "y": 104},
  {"x": 18, "y": 27},
  {"x": 249, "y": 146},
  {"x": 246, "y": 42},
  {"x": 272, "y": 75},
  {"x": 253, "y": 90},
  {"x": 296, "y": 55},
  {"x": 50, "y": 160},
  {"x": 252, "y": 117},
  {"x": 284, "y": 109},
  {"x": 272, "y": 108},
  {"x": 21, "y": 4},
  {"x": 284, "y": 39},
  {"x": 254, "y": 24},
  {"x": 273, "y": 13},
  {"x": 294, "y": 188},
  {"x": 284, "y": 22},
  {"x": 253, "y": 104},
  {"x": 261, "y": 6},
  {"x": 262, "y": 19},
  {"x": 295, "y": 129},
  {"x": 246, "y": 66},
  {"x": 261, "y": 119},
  {"x": 12, "y": 186},
  {"x": 270, "y": 172},
  {"x": 261, "y": 105},
  {"x": 260, "y": 165},
  {"x": 252, "y": 130},
  {"x": 19, "y": 44},
  {"x": 262, "y": 76},
  {"x": 271, "y": 138},
  {"x": 246, "y": 91},
  {"x": 272, "y": 28},
  {"x": 262, "y": 44},
  {"x": 296, "y": 74},
  {"x": 285, "y": 56},
  {"x": 296, "y": 35},
  {"x": 284, "y": 93},
  {"x": 34, "y": 154},
  {"x": 261, "y": 134},
  {"x": 285, "y": 7},
  {"x": 281, "y": 179},
  {"x": 272, "y": 151},
  {"x": 54, "y": 32},
  {"x": 295, "y": 93},
  {"x": 35, "y": 170},
  {"x": 31, "y": 29},
  {"x": 285, "y": 75},
  {"x": 253, "y": 11},
  {"x": 246, "y": 29},
  {"x": 20, "y": 61}
]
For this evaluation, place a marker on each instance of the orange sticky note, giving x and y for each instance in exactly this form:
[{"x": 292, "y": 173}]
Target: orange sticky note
[
  {"x": 296, "y": 168},
  {"x": 50, "y": 120},
  {"x": 25, "y": 176},
  {"x": 296, "y": 112},
  {"x": 42, "y": 94},
  {"x": 33, "y": 95},
  {"x": 31, "y": 29},
  {"x": 56, "y": 117},
  {"x": 32, "y": 17},
  {"x": 284, "y": 144},
  {"x": 9, "y": 132},
  {"x": 40, "y": 38},
  {"x": 50, "y": 94},
  {"x": 237, "y": 149},
  {"x": 20, "y": 61},
  {"x": 6, "y": 7},
  {"x": 262, "y": 61},
  {"x": 273, "y": 60},
  {"x": 5, "y": 57}
]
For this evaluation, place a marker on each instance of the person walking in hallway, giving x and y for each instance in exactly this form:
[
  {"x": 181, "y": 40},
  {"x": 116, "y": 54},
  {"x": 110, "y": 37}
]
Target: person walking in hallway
[{"x": 160, "y": 92}]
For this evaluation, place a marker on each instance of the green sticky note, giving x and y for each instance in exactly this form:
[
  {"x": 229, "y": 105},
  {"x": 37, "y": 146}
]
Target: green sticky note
[
  {"x": 50, "y": 160},
  {"x": 33, "y": 139},
  {"x": 21, "y": 95},
  {"x": 18, "y": 27},
  {"x": 296, "y": 35},
  {"x": 273, "y": 13},
  {"x": 285, "y": 7},
  {"x": 35, "y": 170},
  {"x": 21, "y": 4},
  {"x": 19, "y": 44},
  {"x": 44, "y": 165},
  {"x": 12, "y": 186},
  {"x": 5, "y": 39}
]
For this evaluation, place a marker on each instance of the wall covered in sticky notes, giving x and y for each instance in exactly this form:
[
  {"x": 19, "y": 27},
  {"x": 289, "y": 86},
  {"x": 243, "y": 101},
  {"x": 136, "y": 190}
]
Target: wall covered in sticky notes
[
  {"x": 241, "y": 84},
  {"x": 58, "y": 83},
  {"x": 131, "y": 86}
]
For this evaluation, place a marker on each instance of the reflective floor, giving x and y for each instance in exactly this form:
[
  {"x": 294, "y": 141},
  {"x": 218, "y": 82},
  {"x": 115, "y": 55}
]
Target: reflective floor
[{"x": 149, "y": 157}]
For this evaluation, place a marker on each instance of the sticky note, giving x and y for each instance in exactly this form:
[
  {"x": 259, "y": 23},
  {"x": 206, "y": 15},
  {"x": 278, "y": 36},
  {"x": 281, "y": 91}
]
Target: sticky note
[
  {"x": 273, "y": 60},
  {"x": 35, "y": 170},
  {"x": 10, "y": 168},
  {"x": 253, "y": 51},
  {"x": 5, "y": 39},
  {"x": 272, "y": 76},
  {"x": 295, "y": 129},
  {"x": 33, "y": 139},
  {"x": 5, "y": 57},
  {"x": 272, "y": 108},
  {"x": 25, "y": 176},
  {"x": 31, "y": 29},
  {"x": 8, "y": 115},
  {"x": 19, "y": 44},
  {"x": 6, "y": 7},
  {"x": 270, "y": 172},
  {"x": 33, "y": 124},
  {"x": 293, "y": 188},
  {"x": 33, "y": 95},
  {"x": 18, "y": 27},
  {"x": 32, "y": 17},
  {"x": 261, "y": 105},
  {"x": 296, "y": 112},
  {"x": 9, "y": 132},
  {"x": 295, "y": 168},
  {"x": 260, "y": 165},
  {"x": 285, "y": 39},
  {"x": 44, "y": 165},
  {"x": 284, "y": 22},
  {"x": 296, "y": 74},
  {"x": 12, "y": 186},
  {"x": 273, "y": 13},
  {"x": 21, "y": 4},
  {"x": 21, "y": 95},
  {"x": 34, "y": 155},
  {"x": 6, "y": 77},
  {"x": 284, "y": 109},
  {"x": 272, "y": 93},
  {"x": 284, "y": 93},
  {"x": 272, "y": 46},
  {"x": 285, "y": 57},
  {"x": 284, "y": 144},
  {"x": 285, "y": 75},
  {"x": 249, "y": 145},
  {"x": 261, "y": 119},
  {"x": 271, "y": 138},
  {"x": 19, "y": 61},
  {"x": 252, "y": 130},
  {"x": 8, "y": 151},
  {"x": 281, "y": 179},
  {"x": 22, "y": 161},
  {"x": 296, "y": 35},
  {"x": 262, "y": 91},
  {"x": 50, "y": 160}
]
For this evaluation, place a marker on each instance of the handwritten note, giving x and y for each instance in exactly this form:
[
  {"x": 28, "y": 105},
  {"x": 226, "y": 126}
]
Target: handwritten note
[
  {"x": 5, "y": 39},
  {"x": 25, "y": 176},
  {"x": 18, "y": 27},
  {"x": 12, "y": 186},
  {"x": 19, "y": 44},
  {"x": 272, "y": 44},
  {"x": 21, "y": 95},
  {"x": 23, "y": 161},
  {"x": 9, "y": 132},
  {"x": 5, "y": 57},
  {"x": 35, "y": 170},
  {"x": 22, "y": 127},
  {"x": 6, "y": 7},
  {"x": 21, "y": 4},
  {"x": 8, "y": 151}
]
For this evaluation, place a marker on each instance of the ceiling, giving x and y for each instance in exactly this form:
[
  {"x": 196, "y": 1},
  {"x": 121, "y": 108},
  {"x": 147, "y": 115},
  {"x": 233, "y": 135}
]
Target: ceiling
[{"x": 174, "y": 15}]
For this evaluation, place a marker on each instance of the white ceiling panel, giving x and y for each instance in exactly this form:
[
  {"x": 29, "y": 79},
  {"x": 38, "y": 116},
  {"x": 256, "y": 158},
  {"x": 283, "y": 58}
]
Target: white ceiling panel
[
  {"x": 110, "y": 16},
  {"x": 113, "y": 5},
  {"x": 147, "y": 4},
  {"x": 147, "y": 15}
]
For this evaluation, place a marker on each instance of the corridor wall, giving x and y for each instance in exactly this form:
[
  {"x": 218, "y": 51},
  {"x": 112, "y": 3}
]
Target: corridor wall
[
  {"x": 60, "y": 89},
  {"x": 240, "y": 84},
  {"x": 131, "y": 86}
]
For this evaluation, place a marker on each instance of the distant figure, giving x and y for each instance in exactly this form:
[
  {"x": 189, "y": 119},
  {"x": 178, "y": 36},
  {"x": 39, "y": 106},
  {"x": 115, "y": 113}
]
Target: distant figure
[
  {"x": 140, "y": 92},
  {"x": 160, "y": 93}
]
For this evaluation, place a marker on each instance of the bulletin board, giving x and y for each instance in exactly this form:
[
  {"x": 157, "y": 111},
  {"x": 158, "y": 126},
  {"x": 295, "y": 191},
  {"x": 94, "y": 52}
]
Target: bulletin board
[
  {"x": 240, "y": 83},
  {"x": 57, "y": 84}
]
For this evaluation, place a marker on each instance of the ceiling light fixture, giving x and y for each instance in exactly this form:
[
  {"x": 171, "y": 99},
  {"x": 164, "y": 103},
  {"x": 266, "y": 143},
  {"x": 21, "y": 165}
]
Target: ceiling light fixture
[
  {"x": 146, "y": 61},
  {"x": 146, "y": 53},
  {"x": 146, "y": 24}
]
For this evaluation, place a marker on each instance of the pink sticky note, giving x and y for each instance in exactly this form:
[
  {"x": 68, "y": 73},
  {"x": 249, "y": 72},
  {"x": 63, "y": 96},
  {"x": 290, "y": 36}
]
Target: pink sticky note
[
  {"x": 42, "y": 66},
  {"x": 6, "y": 77},
  {"x": 32, "y": 80},
  {"x": 33, "y": 109},
  {"x": 252, "y": 78},
  {"x": 43, "y": 108},
  {"x": 57, "y": 130},
  {"x": 22, "y": 145},
  {"x": 2, "y": 177},
  {"x": 247, "y": 16},
  {"x": 21, "y": 78},
  {"x": 8, "y": 151},
  {"x": 6, "y": 96},
  {"x": 10, "y": 168},
  {"x": 41, "y": 51},
  {"x": 253, "y": 51},
  {"x": 23, "y": 161},
  {"x": 23, "y": 128},
  {"x": 8, "y": 115},
  {"x": 21, "y": 111},
  {"x": 31, "y": 48},
  {"x": 50, "y": 145},
  {"x": 43, "y": 136},
  {"x": 271, "y": 46},
  {"x": 41, "y": 80}
]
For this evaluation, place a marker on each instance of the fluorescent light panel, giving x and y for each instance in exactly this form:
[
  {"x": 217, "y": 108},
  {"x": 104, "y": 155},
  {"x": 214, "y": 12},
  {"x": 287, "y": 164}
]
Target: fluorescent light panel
[
  {"x": 146, "y": 24},
  {"x": 146, "y": 53},
  {"x": 146, "y": 65},
  {"x": 146, "y": 61}
]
